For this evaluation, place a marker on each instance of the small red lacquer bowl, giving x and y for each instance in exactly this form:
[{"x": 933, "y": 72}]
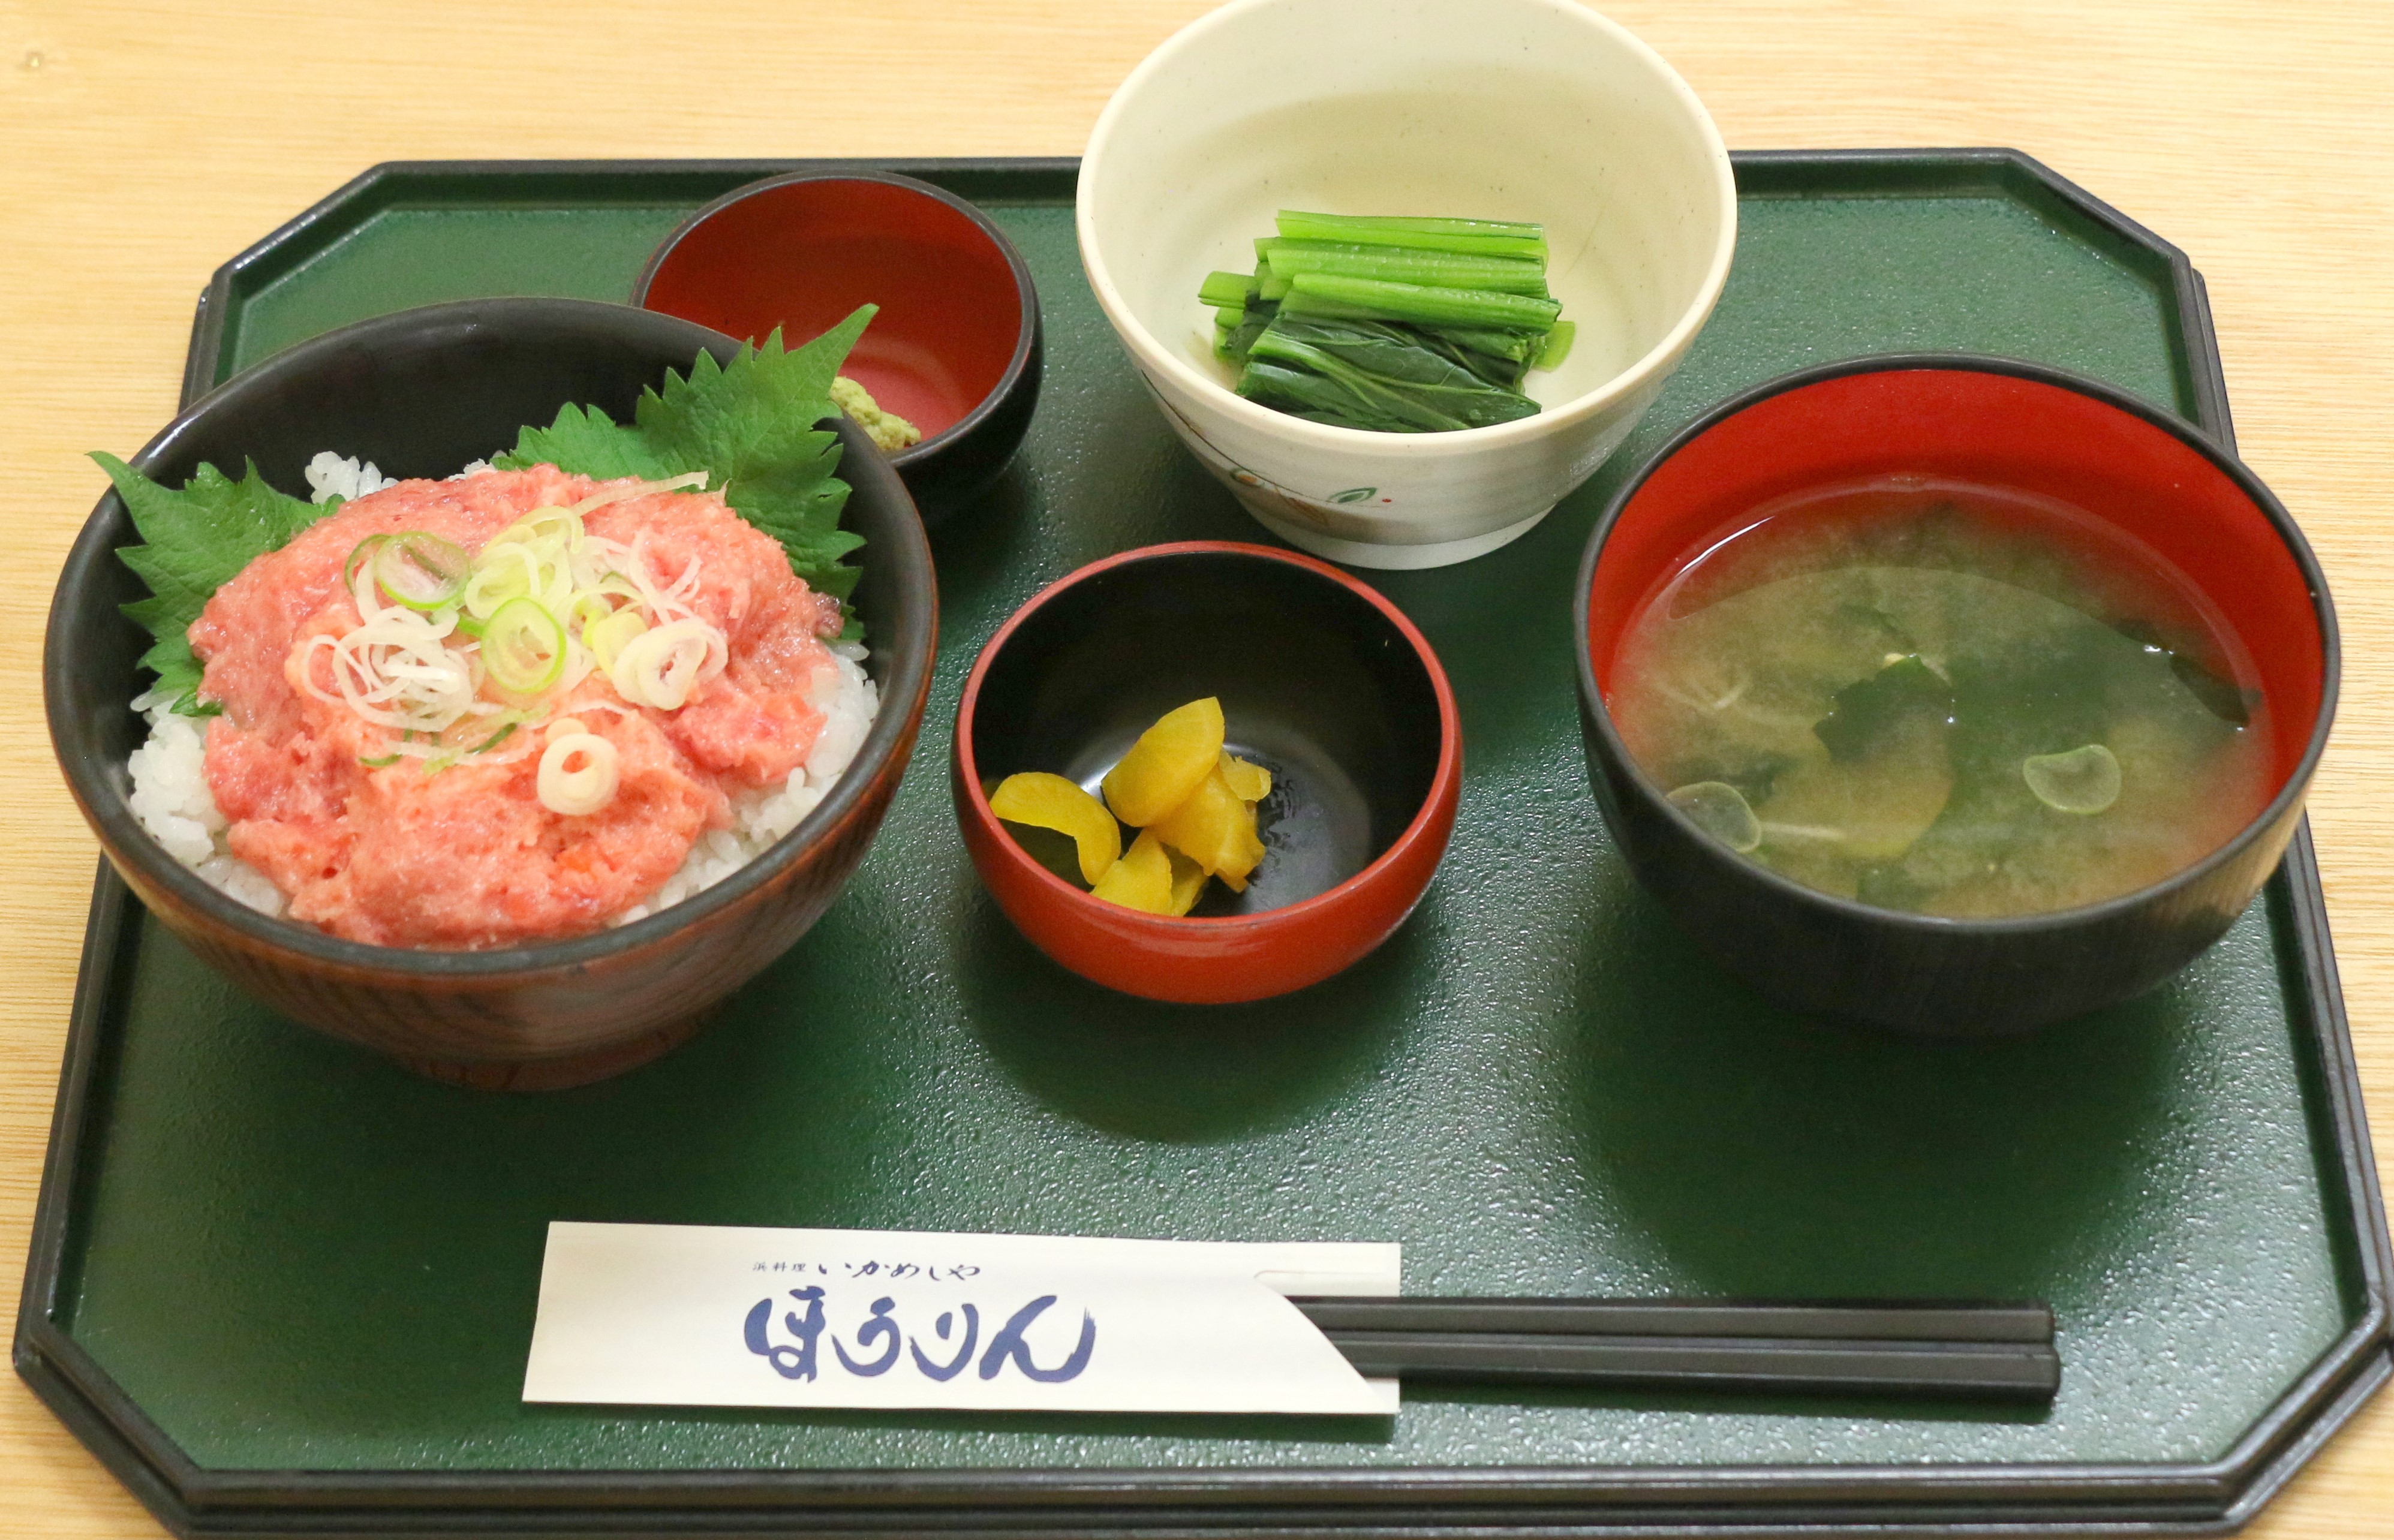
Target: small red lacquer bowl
[
  {"x": 1322, "y": 680},
  {"x": 954, "y": 348}
]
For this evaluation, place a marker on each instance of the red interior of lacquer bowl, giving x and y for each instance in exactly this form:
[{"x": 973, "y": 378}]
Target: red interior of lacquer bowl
[
  {"x": 1993, "y": 429},
  {"x": 803, "y": 254}
]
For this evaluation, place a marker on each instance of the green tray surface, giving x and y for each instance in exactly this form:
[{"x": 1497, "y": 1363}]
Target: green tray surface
[{"x": 293, "y": 1255}]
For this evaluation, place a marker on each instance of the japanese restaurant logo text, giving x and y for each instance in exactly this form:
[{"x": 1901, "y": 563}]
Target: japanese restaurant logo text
[{"x": 878, "y": 1339}]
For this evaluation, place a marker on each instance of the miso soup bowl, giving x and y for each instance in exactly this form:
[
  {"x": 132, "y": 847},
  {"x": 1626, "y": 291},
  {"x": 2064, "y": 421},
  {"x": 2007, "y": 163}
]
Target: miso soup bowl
[
  {"x": 421, "y": 393},
  {"x": 1537, "y": 110},
  {"x": 1322, "y": 680},
  {"x": 1994, "y": 423}
]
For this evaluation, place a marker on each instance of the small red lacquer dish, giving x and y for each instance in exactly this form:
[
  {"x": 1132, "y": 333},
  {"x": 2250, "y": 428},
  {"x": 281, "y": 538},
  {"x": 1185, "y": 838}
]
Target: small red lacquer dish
[
  {"x": 1322, "y": 680},
  {"x": 955, "y": 347}
]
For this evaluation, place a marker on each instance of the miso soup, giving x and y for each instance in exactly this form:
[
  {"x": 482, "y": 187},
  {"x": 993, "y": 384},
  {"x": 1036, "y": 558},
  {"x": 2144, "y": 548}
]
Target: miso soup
[{"x": 1943, "y": 698}]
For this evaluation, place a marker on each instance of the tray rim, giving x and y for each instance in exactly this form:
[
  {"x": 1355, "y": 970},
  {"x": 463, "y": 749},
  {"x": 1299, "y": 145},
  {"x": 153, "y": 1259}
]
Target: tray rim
[{"x": 2209, "y": 1497}]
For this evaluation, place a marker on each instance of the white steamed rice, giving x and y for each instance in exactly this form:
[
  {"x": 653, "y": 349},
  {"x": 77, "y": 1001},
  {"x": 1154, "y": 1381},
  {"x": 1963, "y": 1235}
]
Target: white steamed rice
[
  {"x": 170, "y": 788},
  {"x": 330, "y": 476}
]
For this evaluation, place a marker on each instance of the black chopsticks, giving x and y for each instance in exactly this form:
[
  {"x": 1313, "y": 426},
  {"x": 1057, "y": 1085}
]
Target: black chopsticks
[{"x": 1993, "y": 1350}]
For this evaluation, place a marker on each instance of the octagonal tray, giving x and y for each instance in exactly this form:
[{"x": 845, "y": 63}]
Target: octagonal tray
[{"x": 285, "y": 1288}]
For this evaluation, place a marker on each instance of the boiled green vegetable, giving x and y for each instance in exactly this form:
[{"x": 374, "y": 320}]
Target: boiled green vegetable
[
  {"x": 1416, "y": 304},
  {"x": 1368, "y": 375},
  {"x": 1397, "y": 265},
  {"x": 1471, "y": 237},
  {"x": 1391, "y": 325}
]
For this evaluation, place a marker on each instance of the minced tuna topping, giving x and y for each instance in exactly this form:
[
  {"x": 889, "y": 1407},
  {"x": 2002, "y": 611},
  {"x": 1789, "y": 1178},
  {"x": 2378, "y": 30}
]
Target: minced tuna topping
[{"x": 461, "y": 851}]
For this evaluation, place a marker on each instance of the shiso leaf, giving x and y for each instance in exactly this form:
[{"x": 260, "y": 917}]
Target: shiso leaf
[
  {"x": 195, "y": 541},
  {"x": 734, "y": 422},
  {"x": 586, "y": 442}
]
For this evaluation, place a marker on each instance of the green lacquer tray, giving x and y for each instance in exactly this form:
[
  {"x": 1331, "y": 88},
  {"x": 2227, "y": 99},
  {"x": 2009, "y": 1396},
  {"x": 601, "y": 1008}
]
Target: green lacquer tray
[{"x": 285, "y": 1288}]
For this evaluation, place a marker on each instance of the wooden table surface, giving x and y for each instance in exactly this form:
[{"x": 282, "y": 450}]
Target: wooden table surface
[{"x": 141, "y": 144}]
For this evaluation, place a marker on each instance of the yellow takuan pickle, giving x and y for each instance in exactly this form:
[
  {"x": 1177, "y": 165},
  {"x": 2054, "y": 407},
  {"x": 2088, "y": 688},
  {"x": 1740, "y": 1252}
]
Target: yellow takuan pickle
[
  {"x": 1253, "y": 782},
  {"x": 1188, "y": 880},
  {"x": 1141, "y": 879},
  {"x": 1193, "y": 801},
  {"x": 1215, "y": 829},
  {"x": 1165, "y": 766},
  {"x": 1047, "y": 801}
]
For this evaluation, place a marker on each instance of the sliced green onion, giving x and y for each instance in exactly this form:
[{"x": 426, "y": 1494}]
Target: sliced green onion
[
  {"x": 506, "y": 571},
  {"x": 495, "y": 738},
  {"x": 523, "y": 647},
  {"x": 2086, "y": 780},
  {"x": 588, "y": 608},
  {"x": 382, "y": 763},
  {"x": 572, "y": 791},
  {"x": 607, "y": 636},
  {"x": 1720, "y": 810},
  {"x": 360, "y": 555},
  {"x": 421, "y": 571},
  {"x": 606, "y": 496},
  {"x": 549, "y": 523}
]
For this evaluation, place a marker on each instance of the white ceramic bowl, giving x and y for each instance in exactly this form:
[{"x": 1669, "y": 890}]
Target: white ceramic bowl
[{"x": 1484, "y": 108}]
